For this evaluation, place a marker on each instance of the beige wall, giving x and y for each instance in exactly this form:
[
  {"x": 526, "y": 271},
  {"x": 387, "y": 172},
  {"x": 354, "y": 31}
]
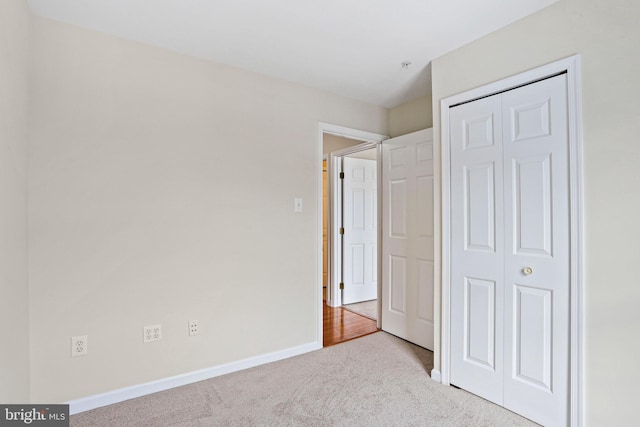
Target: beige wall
[
  {"x": 606, "y": 34},
  {"x": 333, "y": 143},
  {"x": 14, "y": 291},
  {"x": 411, "y": 116},
  {"x": 370, "y": 154},
  {"x": 161, "y": 190}
]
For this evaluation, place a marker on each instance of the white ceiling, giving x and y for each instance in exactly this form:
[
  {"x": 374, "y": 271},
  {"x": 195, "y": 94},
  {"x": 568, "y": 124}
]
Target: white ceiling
[{"x": 350, "y": 47}]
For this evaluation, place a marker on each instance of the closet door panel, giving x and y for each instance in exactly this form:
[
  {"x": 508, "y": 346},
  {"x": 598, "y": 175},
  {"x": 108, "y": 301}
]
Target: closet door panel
[
  {"x": 477, "y": 285},
  {"x": 536, "y": 191}
]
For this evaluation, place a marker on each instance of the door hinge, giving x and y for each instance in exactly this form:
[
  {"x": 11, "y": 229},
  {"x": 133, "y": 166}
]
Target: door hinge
[
  {"x": 341, "y": 285},
  {"x": 341, "y": 230},
  {"x": 341, "y": 175}
]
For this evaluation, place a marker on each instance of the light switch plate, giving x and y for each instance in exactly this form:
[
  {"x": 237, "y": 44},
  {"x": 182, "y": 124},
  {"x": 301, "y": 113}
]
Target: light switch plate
[{"x": 297, "y": 204}]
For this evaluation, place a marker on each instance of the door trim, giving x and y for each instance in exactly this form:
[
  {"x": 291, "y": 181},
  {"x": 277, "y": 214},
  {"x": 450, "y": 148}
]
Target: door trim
[
  {"x": 370, "y": 140},
  {"x": 571, "y": 66}
]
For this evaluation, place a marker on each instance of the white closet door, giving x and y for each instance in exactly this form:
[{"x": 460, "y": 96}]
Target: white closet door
[
  {"x": 535, "y": 141},
  {"x": 510, "y": 249},
  {"x": 477, "y": 255},
  {"x": 407, "y": 237}
]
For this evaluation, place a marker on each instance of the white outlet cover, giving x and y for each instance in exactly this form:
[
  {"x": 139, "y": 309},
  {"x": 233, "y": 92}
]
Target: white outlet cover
[
  {"x": 79, "y": 345},
  {"x": 193, "y": 328},
  {"x": 151, "y": 333}
]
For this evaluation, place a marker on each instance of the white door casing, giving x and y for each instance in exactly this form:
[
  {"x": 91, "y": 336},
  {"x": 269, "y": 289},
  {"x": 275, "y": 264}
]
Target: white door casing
[
  {"x": 360, "y": 223},
  {"x": 510, "y": 255},
  {"x": 407, "y": 237}
]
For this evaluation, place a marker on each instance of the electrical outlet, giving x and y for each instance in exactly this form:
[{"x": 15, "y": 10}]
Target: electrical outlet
[
  {"x": 193, "y": 328},
  {"x": 79, "y": 345},
  {"x": 152, "y": 333}
]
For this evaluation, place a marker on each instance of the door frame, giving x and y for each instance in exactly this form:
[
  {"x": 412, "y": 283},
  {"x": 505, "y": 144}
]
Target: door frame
[
  {"x": 369, "y": 140},
  {"x": 570, "y": 66}
]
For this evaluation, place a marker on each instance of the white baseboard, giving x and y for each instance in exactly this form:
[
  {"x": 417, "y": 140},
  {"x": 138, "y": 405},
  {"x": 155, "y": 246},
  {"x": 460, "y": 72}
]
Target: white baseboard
[
  {"x": 96, "y": 401},
  {"x": 435, "y": 375}
]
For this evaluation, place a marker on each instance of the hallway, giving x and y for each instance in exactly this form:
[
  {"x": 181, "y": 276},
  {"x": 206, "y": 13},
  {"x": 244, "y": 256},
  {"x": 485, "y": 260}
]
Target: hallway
[{"x": 340, "y": 325}]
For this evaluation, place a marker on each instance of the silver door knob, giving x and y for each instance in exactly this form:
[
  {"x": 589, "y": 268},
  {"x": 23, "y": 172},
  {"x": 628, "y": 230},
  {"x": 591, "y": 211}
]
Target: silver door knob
[{"x": 527, "y": 271}]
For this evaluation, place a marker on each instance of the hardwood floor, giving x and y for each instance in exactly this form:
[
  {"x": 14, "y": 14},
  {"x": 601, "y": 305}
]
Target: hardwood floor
[{"x": 340, "y": 325}]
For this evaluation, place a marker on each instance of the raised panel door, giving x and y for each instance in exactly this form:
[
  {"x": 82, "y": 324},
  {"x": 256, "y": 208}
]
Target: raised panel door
[
  {"x": 407, "y": 237},
  {"x": 360, "y": 230},
  {"x": 477, "y": 248}
]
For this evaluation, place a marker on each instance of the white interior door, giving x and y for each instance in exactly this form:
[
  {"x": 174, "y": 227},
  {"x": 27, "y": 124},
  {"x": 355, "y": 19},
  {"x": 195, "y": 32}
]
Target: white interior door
[
  {"x": 510, "y": 249},
  {"x": 360, "y": 238},
  {"x": 407, "y": 237}
]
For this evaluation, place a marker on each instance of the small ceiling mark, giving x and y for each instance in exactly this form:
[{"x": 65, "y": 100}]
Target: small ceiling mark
[{"x": 405, "y": 65}]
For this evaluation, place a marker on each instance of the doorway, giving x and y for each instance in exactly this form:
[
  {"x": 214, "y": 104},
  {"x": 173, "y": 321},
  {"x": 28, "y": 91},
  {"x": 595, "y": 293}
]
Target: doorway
[
  {"x": 352, "y": 207},
  {"x": 404, "y": 247},
  {"x": 358, "y": 192},
  {"x": 337, "y": 144}
]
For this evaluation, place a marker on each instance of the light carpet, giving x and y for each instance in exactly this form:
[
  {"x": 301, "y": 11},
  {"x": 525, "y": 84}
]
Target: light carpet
[
  {"x": 377, "y": 380},
  {"x": 367, "y": 308}
]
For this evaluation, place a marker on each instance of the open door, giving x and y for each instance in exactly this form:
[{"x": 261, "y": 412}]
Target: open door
[{"x": 407, "y": 237}]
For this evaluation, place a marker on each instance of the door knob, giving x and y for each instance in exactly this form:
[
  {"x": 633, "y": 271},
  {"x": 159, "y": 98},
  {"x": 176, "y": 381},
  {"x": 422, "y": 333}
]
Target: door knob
[{"x": 527, "y": 271}]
